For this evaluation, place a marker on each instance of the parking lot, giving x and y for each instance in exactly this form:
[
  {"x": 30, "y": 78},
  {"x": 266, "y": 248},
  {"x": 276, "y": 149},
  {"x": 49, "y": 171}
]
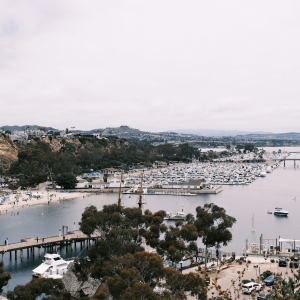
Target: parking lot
[{"x": 257, "y": 266}]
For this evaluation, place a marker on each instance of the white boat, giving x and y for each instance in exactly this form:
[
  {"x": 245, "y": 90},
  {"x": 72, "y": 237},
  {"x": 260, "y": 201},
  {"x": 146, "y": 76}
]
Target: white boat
[
  {"x": 52, "y": 267},
  {"x": 179, "y": 215},
  {"x": 263, "y": 174},
  {"x": 280, "y": 212},
  {"x": 175, "y": 216}
]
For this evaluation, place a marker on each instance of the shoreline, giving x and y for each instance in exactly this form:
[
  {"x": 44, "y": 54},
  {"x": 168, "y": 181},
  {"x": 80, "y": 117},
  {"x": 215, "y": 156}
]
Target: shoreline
[{"x": 21, "y": 199}]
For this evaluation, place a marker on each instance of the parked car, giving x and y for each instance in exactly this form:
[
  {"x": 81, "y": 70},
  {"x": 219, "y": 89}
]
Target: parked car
[
  {"x": 295, "y": 262},
  {"x": 282, "y": 262},
  {"x": 270, "y": 280},
  {"x": 207, "y": 280},
  {"x": 248, "y": 288},
  {"x": 264, "y": 295}
]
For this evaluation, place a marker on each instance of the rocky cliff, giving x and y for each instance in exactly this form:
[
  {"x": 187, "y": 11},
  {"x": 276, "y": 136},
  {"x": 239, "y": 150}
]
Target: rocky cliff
[{"x": 8, "y": 152}]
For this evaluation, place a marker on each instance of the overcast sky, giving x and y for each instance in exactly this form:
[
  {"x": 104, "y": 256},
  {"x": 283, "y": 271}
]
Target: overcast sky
[{"x": 152, "y": 65}]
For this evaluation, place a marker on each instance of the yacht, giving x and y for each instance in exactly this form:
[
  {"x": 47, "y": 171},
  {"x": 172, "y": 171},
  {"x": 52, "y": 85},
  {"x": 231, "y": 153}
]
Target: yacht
[
  {"x": 175, "y": 216},
  {"x": 179, "y": 215},
  {"x": 52, "y": 267},
  {"x": 280, "y": 212}
]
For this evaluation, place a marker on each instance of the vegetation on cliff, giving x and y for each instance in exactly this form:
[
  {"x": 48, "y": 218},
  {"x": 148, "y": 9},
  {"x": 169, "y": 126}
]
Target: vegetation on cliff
[{"x": 84, "y": 153}]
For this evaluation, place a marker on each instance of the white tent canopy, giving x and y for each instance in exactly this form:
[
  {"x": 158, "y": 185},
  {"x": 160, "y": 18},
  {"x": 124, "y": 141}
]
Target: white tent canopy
[{"x": 288, "y": 240}]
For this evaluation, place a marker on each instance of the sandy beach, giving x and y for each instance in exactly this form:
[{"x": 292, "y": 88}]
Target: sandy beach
[{"x": 35, "y": 197}]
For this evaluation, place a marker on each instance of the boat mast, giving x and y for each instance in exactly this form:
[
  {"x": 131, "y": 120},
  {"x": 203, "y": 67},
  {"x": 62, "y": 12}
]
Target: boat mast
[
  {"x": 177, "y": 202},
  {"x": 140, "y": 191},
  {"x": 253, "y": 231},
  {"x": 119, "y": 200}
]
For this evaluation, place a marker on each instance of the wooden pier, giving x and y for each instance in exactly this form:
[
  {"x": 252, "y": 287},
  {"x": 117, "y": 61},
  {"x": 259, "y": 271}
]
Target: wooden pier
[{"x": 50, "y": 244}]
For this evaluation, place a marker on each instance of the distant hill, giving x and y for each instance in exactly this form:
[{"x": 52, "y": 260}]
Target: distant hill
[
  {"x": 117, "y": 130},
  {"x": 21, "y": 128},
  {"x": 212, "y": 132},
  {"x": 273, "y": 136}
]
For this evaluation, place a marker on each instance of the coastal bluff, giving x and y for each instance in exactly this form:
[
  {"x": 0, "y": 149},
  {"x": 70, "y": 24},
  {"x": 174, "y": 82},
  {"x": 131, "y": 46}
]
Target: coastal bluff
[{"x": 8, "y": 151}]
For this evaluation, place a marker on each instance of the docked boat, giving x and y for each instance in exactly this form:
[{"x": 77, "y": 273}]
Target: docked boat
[
  {"x": 52, "y": 267},
  {"x": 280, "y": 212},
  {"x": 175, "y": 216},
  {"x": 179, "y": 215}
]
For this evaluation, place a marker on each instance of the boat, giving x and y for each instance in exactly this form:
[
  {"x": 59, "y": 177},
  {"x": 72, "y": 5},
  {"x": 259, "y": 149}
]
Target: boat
[
  {"x": 263, "y": 174},
  {"x": 179, "y": 215},
  {"x": 269, "y": 212},
  {"x": 269, "y": 169},
  {"x": 52, "y": 267},
  {"x": 175, "y": 216},
  {"x": 280, "y": 212}
]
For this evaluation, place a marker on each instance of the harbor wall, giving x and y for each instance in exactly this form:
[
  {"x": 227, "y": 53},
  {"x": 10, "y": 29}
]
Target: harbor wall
[{"x": 214, "y": 190}]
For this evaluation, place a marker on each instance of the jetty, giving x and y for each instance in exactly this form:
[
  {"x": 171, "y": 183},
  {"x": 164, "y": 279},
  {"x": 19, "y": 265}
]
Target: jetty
[{"x": 34, "y": 246}]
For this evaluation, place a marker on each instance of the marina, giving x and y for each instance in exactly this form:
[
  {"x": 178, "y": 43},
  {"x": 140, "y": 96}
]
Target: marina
[{"x": 278, "y": 189}]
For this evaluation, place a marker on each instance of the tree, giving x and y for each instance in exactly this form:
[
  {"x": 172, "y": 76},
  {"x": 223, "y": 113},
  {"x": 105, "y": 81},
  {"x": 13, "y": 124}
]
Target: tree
[
  {"x": 40, "y": 288},
  {"x": 66, "y": 180},
  {"x": 8, "y": 132},
  {"x": 13, "y": 186},
  {"x": 212, "y": 225},
  {"x": 119, "y": 258},
  {"x": 37, "y": 178},
  {"x": 4, "y": 277}
]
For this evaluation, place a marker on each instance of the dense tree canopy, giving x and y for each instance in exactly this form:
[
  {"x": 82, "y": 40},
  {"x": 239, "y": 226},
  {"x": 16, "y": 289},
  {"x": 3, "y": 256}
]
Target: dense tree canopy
[
  {"x": 44, "y": 288},
  {"x": 119, "y": 255},
  {"x": 87, "y": 152}
]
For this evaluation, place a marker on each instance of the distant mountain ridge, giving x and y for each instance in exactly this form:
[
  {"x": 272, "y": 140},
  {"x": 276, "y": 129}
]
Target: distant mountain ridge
[
  {"x": 127, "y": 132},
  {"x": 273, "y": 136},
  {"x": 219, "y": 133},
  {"x": 21, "y": 128}
]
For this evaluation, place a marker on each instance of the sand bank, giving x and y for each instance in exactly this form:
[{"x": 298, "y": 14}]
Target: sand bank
[{"x": 22, "y": 198}]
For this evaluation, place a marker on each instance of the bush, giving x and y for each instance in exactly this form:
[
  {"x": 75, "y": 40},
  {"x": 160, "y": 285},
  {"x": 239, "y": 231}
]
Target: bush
[
  {"x": 272, "y": 261},
  {"x": 245, "y": 281},
  {"x": 266, "y": 274}
]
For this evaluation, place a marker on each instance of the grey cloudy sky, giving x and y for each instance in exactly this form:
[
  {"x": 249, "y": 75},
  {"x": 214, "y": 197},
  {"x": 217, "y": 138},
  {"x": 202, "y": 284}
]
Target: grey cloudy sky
[{"x": 152, "y": 65}]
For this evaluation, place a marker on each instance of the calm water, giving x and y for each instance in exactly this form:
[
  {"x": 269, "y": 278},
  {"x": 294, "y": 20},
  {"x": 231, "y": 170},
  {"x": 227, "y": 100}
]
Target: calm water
[{"x": 279, "y": 188}]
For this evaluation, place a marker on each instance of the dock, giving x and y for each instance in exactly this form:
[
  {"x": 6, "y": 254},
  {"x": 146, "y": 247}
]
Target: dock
[{"x": 70, "y": 239}]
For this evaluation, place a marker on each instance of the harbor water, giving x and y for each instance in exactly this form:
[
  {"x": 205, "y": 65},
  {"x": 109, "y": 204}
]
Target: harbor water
[{"x": 280, "y": 188}]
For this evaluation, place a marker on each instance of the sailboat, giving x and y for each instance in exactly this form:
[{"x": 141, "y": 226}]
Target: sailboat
[
  {"x": 140, "y": 191},
  {"x": 179, "y": 215}
]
